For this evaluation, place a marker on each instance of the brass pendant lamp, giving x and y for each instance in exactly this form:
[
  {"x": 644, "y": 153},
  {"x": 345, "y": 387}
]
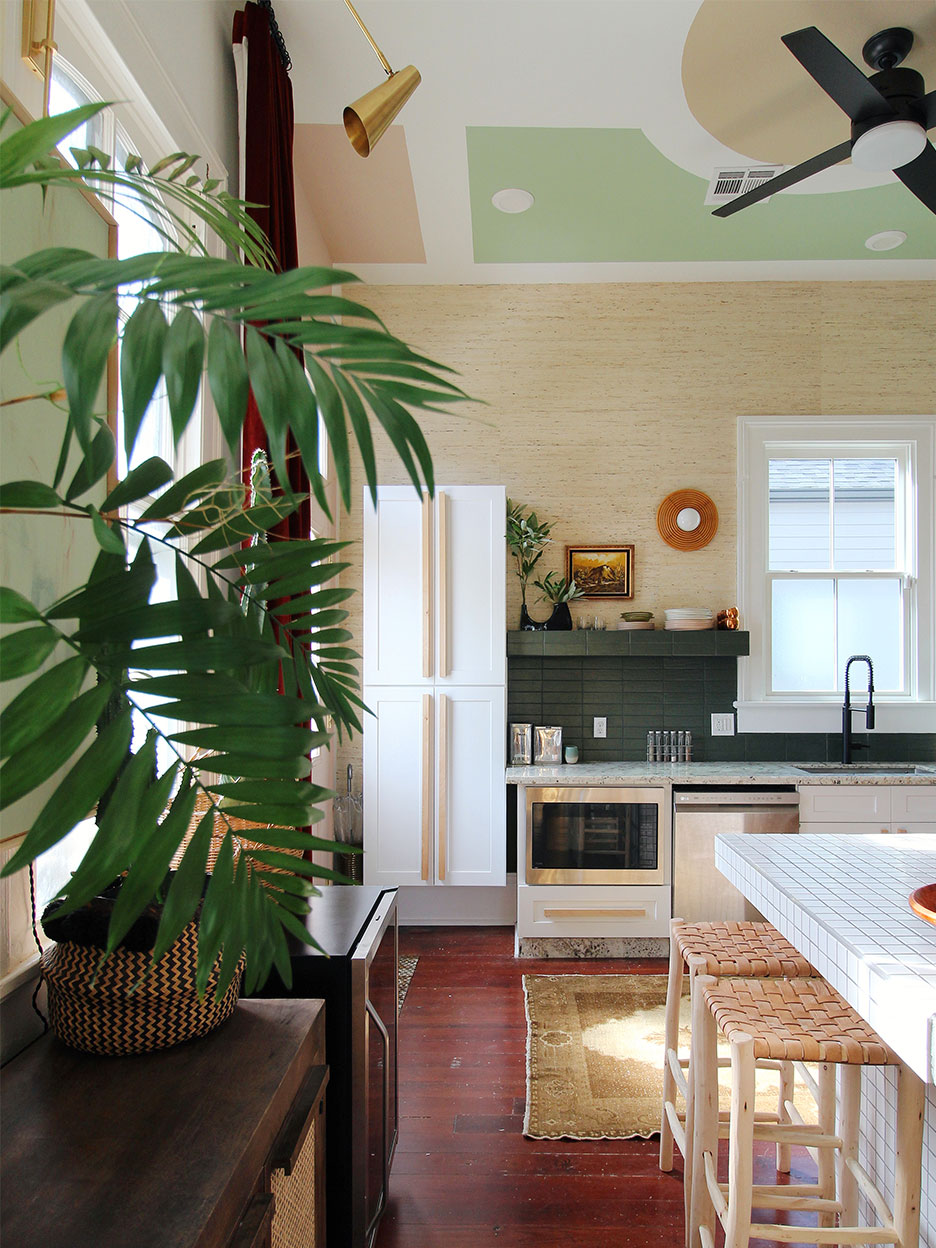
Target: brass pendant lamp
[{"x": 367, "y": 118}]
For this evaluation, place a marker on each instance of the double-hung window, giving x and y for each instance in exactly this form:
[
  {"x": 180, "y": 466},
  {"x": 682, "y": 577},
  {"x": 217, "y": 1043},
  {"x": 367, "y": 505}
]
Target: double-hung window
[{"x": 835, "y": 559}]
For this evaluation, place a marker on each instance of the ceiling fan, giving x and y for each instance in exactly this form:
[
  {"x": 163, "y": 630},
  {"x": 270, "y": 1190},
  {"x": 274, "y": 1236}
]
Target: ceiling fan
[{"x": 889, "y": 112}]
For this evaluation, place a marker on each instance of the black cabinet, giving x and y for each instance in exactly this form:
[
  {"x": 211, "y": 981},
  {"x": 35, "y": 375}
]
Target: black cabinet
[{"x": 357, "y": 928}]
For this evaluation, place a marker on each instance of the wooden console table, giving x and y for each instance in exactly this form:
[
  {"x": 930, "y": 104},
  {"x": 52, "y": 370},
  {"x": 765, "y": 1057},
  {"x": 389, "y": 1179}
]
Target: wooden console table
[{"x": 177, "y": 1149}]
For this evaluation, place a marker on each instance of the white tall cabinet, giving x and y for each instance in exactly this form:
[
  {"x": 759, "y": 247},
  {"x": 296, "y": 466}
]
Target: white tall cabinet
[{"x": 435, "y": 680}]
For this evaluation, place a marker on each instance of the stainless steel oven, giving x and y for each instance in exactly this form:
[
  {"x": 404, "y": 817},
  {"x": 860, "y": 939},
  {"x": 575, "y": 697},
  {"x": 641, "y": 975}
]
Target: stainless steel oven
[{"x": 600, "y": 835}]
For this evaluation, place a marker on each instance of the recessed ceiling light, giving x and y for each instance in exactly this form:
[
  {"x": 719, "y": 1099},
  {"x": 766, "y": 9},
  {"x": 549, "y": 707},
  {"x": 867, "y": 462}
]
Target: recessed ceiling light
[
  {"x": 887, "y": 240},
  {"x": 512, "y": 199}
]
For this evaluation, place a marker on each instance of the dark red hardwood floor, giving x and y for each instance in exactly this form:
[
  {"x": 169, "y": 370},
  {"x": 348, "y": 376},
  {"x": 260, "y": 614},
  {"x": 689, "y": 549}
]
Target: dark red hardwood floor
[{"x": 464, "y": 1176}]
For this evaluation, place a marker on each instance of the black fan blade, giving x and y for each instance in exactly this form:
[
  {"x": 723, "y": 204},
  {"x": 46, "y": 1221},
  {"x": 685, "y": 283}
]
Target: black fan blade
[
  {"x": 929, "y": 103},
  {"x": 920, "y": 176},
  {"x": 789, "y": 177},
  {"x": 836, "y": 74}
]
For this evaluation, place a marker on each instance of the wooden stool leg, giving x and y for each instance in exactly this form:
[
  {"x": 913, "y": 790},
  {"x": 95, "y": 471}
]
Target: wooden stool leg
[
  {"x": 849, "y": 1113},
  {"x": 911, "y": 1101},
  {"x": 696, "y": 965},
  {"x": 827, "y": 1156},
  {"x": 784, "y": 1158},
  {"x": 740, "y": 1143},
  {"x": 671, "y": 1044},
  {"x": 704, "y": 1091}
]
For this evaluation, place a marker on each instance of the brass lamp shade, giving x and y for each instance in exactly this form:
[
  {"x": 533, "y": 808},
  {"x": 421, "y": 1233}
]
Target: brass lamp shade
[{"x": 367, "y": 118}]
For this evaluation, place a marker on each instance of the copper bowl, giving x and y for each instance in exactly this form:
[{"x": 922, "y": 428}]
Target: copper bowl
[{"x": 923, "y": 902}]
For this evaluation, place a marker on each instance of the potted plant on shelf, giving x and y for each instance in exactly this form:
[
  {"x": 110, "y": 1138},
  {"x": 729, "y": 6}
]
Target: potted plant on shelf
[
  {"x": 560, "y": 592},
  {"x": 247, "y": 663},
  {"x": 526, "y": 539}
]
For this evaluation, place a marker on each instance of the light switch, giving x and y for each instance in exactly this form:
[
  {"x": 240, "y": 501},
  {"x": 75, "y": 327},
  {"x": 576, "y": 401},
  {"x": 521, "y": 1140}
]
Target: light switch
[{"x": 723, "y": 725}]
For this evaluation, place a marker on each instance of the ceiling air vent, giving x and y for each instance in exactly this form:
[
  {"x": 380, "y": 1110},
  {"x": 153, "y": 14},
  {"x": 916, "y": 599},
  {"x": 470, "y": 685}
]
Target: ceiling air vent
[{"x": 728, "y": 184}]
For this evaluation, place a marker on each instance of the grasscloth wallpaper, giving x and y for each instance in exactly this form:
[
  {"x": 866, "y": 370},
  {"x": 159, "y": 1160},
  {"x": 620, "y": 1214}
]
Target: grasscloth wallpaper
[{"x": 599, "y": 400}]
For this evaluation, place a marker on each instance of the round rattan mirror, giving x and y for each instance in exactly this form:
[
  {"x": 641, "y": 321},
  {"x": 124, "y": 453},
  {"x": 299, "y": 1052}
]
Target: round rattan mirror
[{"x": 687, "y": 519}]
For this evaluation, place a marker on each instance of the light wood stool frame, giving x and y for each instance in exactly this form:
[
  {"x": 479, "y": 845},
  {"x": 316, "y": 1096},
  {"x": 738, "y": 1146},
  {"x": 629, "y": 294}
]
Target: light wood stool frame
[
  {"x": 834, "y": 1197},
  {"x": 747, "y": 949}
]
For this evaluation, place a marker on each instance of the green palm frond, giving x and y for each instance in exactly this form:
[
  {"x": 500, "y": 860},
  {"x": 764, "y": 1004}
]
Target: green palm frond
[{"x": 249, "y": 665}]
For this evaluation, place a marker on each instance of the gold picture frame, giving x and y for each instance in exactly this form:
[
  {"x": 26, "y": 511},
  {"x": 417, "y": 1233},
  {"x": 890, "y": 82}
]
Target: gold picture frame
[{"x": 602, "y": 571}]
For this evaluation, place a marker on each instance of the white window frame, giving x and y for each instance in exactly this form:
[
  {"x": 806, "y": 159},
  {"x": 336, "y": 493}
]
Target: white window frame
[{"x": 911, "y": 439}]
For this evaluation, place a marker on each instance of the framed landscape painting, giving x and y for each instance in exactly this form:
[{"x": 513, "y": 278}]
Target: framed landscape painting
[{"x": 602, "y": 571}]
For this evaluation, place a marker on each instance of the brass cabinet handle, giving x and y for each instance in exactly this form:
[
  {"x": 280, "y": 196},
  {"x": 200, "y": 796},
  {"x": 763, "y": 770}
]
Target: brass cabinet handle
[
  {"x": 427, "y": 584},
  {"x": 443, "y": 784},
  {"x": 596, "y": 914},
  {"x": 426, "y": 783},
  {"x": 443, "y": 584}
]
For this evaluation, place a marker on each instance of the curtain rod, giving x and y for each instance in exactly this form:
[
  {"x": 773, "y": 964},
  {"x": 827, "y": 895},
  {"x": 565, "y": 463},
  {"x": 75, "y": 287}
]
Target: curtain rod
[{"x": 276, "y": 34}]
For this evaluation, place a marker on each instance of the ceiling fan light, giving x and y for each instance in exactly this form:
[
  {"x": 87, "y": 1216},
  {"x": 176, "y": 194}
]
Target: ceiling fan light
[{"x": 888, "y": 146}]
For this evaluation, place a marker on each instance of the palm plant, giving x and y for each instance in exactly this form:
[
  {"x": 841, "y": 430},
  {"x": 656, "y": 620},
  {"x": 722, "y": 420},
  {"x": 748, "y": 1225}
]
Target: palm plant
[{"x": 250, "y": 651}]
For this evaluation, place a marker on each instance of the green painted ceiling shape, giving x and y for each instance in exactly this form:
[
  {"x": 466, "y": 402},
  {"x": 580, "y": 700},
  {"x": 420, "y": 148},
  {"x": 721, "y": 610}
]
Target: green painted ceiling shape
[{"x": 610, "y": 195}]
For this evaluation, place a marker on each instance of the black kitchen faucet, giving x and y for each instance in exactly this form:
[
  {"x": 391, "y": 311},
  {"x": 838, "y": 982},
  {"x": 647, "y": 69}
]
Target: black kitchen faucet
[{"x": 847, "y": 743}]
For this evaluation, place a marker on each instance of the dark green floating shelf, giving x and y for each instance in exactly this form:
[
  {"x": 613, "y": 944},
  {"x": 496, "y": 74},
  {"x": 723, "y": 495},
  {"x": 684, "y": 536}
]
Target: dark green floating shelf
[{"x": 705, "y": 643}]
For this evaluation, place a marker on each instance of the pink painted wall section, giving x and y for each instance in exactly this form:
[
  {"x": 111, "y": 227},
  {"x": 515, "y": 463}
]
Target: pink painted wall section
[{"x": 365, "y": 208}]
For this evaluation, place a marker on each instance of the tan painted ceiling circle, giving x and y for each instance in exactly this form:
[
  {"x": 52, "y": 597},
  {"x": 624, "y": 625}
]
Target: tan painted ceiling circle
[
  {"x": 750, "y": 93},
  {"x": 669, "y": 516}
]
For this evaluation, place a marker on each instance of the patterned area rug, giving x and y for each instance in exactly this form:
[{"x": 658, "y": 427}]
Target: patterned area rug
[
  {"x": 406, "y": 971},
  {"x": 595, "y": 1057}
]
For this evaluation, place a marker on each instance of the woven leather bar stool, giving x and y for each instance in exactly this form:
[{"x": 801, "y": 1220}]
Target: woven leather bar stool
[
  {"x": 796, "y": 1020},
  {"x": 742, "y": 949},
  {"x": 739, "y": 948}
]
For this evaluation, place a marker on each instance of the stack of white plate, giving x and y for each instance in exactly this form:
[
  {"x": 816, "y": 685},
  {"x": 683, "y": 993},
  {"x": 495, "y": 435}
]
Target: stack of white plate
[{"x": 686, "y": 618}]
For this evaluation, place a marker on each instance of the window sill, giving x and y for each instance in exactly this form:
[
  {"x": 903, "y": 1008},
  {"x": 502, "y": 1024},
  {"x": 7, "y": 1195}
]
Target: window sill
[{"x": 827, "y": 717}]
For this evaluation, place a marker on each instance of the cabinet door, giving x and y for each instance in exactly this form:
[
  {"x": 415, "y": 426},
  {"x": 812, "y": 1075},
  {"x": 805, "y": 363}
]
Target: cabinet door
[
  {"x": 471, "y": 822},
  {"x": 398, "y": 612},
  {"x": 845, "y": 803},
  {"x": 913, "y": 807},
  {"x": 398, "y": 786},
  {"x": 470, "y": 647}
]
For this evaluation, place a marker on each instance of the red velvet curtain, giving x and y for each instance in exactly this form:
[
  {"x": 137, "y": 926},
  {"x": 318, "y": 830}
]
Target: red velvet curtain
[{"x": 268, "y": 183}]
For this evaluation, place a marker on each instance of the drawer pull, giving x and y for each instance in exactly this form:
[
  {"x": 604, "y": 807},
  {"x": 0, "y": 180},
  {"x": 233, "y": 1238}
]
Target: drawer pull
[
  {"x": 298, "y": 1122},
  {"x": 254, "y": 1228},
  {"x": 596, "y": 914}
]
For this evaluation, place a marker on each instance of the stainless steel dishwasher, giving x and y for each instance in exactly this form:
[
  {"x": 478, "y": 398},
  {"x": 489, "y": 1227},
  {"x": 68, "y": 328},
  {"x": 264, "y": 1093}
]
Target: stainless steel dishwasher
[{"x": 700, "y": 891}]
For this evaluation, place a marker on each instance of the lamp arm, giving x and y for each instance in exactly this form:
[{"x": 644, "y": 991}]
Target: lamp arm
[{"x": 369, "y": 37}]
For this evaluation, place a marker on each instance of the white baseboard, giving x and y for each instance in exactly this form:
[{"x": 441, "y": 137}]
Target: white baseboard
[{"x": 458, "y": 907}]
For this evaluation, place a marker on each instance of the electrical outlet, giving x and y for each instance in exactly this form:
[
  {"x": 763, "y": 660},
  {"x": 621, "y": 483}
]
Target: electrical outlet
[
  {"x": 723, "y": 725},
  {"x": 600, "y": 726}
]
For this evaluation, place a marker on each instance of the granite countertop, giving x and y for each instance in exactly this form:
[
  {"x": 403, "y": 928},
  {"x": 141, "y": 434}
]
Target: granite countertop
[
  {"x": 843, "y": 902},
  {"x": 715, "y": 774}
]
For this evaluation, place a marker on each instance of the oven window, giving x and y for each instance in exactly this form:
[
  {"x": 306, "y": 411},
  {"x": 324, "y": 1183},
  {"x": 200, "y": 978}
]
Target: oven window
[{"x": 595, "y": 836}]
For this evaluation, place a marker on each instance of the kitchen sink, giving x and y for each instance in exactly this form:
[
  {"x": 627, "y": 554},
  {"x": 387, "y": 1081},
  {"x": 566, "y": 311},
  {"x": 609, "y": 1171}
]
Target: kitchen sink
[{"x": 862, "y": 769}]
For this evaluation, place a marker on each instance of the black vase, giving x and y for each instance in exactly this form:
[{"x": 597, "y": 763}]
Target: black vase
[
  {"x": 560, "y": 620},
  {"x": 528, "y": 625}
]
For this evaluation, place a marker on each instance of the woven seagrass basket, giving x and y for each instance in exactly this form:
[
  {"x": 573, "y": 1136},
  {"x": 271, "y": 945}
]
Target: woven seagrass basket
[
  {"x": 246, "y": 835},
  {"x": 114, "y": 1008}
]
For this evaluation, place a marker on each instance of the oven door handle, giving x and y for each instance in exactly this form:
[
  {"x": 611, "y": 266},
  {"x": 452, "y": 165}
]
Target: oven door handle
[{"x": 385, "y": 1100}]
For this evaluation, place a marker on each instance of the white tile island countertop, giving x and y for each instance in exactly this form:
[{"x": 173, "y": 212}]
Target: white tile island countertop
[{"x": 842, "y": 900}]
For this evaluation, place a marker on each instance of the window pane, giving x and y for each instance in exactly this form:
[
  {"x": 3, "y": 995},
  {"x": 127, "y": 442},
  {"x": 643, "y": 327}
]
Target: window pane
[
  {"x": 64, "y": 95},
  {"x": 870, "y": 622},
  {"x": 798, "y": 518},
  {"x": 864, "y": 518},
  {"x": 802, "y": 633}
]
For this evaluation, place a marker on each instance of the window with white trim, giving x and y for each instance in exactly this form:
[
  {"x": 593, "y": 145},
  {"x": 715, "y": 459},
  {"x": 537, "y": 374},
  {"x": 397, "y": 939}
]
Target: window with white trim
[{"x": 836, "y": 558}]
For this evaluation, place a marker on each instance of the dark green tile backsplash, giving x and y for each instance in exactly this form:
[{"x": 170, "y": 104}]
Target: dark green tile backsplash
[{"x": 639, "y": 693}]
